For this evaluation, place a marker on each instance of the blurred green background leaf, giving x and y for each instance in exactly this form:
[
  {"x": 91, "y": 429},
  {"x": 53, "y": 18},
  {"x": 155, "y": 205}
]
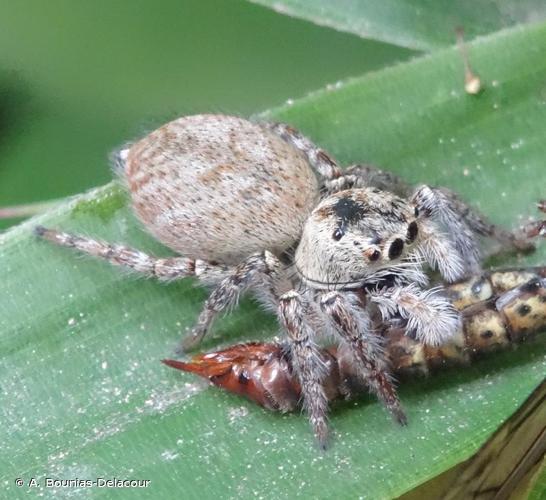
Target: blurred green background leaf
[
  {"x": 416, "y": 24},
  {"x": 84, "y": 394},
  {"x": 78, "y": 79}
]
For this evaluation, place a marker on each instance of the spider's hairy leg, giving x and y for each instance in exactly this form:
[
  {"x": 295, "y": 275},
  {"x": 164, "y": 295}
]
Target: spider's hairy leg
[
  {"x": 431, "y": 317},
  {"x": 309, "y": 366},
  {"x": 463, "y": 225},
  {"x": 440, "y": 252},
  {"x": 321, "y": 161},
  {"x": 353, "y": 326},
  {"x": 257, "y": 271},
  {"x": 169, "y": 268},
  {"x": 368, "y": 176}
]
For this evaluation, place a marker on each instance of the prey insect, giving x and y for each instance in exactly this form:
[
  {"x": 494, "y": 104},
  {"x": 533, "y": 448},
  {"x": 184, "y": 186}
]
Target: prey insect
[
  {"x": 258, "y": 207},
  {"x": 498, "y": 309}
]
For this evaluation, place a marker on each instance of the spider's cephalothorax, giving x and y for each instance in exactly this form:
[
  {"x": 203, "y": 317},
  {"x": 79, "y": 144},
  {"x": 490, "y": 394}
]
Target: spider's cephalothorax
[
  {"x": 234, "y": 198},
  {"x": 353, "y": 236}
]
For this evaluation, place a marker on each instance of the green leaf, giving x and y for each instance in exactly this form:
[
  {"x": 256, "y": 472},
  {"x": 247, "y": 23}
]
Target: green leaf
[
  {"x": 84, "y": 394},
  {"x": 419, "y": 24}
]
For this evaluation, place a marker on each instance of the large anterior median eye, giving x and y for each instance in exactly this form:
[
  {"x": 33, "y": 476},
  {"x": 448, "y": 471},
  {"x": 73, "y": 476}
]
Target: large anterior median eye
[{"x": 395, "y": 250}]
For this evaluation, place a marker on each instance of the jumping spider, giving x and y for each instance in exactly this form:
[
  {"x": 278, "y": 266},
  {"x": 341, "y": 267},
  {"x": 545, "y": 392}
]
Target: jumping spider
[{"x": 259, "y": 207}]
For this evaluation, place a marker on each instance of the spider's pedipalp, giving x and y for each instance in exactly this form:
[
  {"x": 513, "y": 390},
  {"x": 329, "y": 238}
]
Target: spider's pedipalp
[{"x": 430, "y": 316}]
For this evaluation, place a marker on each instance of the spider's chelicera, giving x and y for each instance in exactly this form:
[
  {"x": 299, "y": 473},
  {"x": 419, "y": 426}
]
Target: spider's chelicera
[{"x": 235, "y": 199}]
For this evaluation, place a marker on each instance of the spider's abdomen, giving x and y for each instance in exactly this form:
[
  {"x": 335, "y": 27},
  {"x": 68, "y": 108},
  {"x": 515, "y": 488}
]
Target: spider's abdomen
[{"x": 219, "y": 187}]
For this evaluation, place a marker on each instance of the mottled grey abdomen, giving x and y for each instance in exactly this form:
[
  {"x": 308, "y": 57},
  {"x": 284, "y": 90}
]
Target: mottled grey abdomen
[{"x": 220, "y": 188}]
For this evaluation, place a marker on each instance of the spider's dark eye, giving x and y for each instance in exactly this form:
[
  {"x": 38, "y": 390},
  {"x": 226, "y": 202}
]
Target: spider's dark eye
[
  {"x": 373, "y": 254},
  {"x": 338, "y": 234},
  {"x": 395, "y": 250},
  {"x": 412, "y": 232},
  {"x": 416, "y": 212}
]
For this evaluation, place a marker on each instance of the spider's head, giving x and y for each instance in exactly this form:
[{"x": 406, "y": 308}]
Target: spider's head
[{"x": 353, "y": 234}]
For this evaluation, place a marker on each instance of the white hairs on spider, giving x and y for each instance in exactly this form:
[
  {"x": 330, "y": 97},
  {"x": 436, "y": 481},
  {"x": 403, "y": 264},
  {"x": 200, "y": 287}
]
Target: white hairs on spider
[
  {"x": 429, "y": 314},
  {"x": 440, "y": 253},
  {"x": 438, "y": 203},
  {"x": 407, "y": 271}
]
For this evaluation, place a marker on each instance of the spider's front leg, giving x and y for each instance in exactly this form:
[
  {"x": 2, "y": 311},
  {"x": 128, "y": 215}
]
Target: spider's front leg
[
  {"x": 352, "y": 325},
  {"x": 464, "y": 224},
  {"x": 309, "y": 366}
]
